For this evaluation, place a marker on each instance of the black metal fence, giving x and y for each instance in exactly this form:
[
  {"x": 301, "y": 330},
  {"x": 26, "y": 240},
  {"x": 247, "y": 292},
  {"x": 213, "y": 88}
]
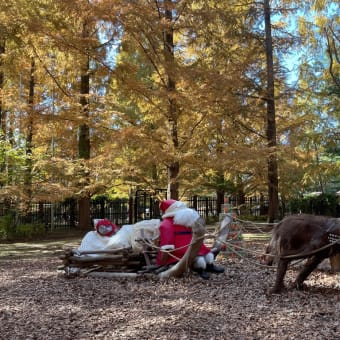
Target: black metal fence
[
  {"x": 143, "y": 205},
  {"x": 119, "y": 211},
  {"x": 205, "y": 206}
]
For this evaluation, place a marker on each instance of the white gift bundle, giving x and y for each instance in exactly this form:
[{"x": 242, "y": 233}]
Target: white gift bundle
[{"x": 127, "y": 236}]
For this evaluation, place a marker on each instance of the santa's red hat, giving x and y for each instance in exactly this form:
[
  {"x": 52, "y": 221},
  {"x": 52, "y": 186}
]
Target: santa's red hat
[
  {"x": 164, "y": 205},
  {"x": 105, "y": 227}
]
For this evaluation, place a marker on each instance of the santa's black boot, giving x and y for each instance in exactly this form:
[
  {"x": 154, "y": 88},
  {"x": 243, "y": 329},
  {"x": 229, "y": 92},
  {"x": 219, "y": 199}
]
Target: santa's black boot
[
  {"x": 212, "y": 268},
  {"x": 202, "y": 273}
]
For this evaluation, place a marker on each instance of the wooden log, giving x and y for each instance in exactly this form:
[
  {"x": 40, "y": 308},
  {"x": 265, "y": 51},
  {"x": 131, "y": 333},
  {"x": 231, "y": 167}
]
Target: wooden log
[
  {"x": 198, "y": 232},
  {"x": 335, "y": 263},
  {"x": 145, "y": 254},
  {"x": 107, "y": 251},
  {"x": 108, "y": 262},
  {"x": 113, "y": 274},
  {"x": 222, "y": 235},
  {"x": 95, "y": 258}
]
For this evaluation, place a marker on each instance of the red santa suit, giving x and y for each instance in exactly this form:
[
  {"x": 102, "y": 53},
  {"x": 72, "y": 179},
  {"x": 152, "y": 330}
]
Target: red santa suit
[{"x": 175, "y": 234}]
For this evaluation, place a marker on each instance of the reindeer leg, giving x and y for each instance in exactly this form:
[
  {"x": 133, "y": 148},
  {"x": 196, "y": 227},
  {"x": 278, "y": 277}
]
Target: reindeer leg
[
  {"x": 280, "y": 274},
  {"x": 306, "y": 270}
]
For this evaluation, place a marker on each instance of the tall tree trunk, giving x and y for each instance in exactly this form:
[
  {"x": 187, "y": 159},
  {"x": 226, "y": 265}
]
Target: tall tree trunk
[
  {"x": 6, "y": 131},
  {"x": 273, "y": 207},
  {"x": 84, "y": 141},
  {"x": 219, "y": 200},
  {"x": 220, "y": 191},
  {"x": 173, "y": 168},
  {"x": 29, "y": 140},
  {"x": 2, "y": 111}
]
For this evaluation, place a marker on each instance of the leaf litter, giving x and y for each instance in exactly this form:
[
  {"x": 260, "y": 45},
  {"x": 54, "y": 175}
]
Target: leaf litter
[{"x": 37, "y": 302}]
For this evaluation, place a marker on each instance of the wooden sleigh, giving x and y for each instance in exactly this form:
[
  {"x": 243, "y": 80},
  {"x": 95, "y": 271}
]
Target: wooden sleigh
[
  {"x": 114, "y": 262},
  {"x": 126, "y": 262}
]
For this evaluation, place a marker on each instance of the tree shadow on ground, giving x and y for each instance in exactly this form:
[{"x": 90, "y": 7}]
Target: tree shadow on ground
[{"x": 37, "y": 248}]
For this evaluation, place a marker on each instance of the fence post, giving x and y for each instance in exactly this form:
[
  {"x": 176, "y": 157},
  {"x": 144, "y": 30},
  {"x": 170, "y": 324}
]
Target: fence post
[
  {"x": 206, "y": 207},
  {"x": 131, "y": 210},
  {"x": 194, "y": 202},
  {"x": 41, "y": 211},
  {"x": 263, "y": 210},
  {"x": 155, "y": 211},
  {"x": 73, "y": 213},
  {"x": 102, "y": 208}
]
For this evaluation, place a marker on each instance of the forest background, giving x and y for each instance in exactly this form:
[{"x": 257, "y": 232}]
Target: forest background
[{"x": 199, "y": 97}]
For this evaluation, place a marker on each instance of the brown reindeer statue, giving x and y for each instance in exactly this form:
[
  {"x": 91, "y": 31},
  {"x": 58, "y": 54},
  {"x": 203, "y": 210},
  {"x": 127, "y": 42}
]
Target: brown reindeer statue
[{"x": 302, "y": 236}]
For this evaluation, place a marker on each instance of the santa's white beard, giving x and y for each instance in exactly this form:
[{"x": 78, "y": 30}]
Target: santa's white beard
[{"x": 186, "y": 217}]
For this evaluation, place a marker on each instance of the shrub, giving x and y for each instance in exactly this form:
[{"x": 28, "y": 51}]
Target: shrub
[
  {"x": 323, "y": 204},
  {"x": 10, "y": 231},
  {"x": 29, "y": 231},
  {"x": 7, "y": 226}
]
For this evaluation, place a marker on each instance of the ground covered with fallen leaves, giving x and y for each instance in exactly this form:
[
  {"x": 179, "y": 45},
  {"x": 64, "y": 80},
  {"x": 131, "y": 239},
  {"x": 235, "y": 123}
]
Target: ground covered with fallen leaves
[{"x": 37, "y": 302}]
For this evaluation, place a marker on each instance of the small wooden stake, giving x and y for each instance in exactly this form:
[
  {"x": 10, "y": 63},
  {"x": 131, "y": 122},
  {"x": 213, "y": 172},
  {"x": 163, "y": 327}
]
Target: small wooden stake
[{"x": 335, "y": 263}]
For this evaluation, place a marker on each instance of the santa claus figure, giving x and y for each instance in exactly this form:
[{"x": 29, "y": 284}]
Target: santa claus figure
[{"x": 175, "y": 235}]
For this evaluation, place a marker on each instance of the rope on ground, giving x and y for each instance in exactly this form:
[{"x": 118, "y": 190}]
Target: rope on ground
[
  {"x": 296, "y": 256},
  {"x": 258, "y": 264},
  {"x": 251, "y": 224}
]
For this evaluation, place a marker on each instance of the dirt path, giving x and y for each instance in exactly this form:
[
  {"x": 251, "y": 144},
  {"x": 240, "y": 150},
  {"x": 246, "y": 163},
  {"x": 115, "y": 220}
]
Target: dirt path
[{"x": 37, "y": 249}]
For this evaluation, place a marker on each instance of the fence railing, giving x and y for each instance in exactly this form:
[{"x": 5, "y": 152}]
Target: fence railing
[{"x": 64, "y": 215}]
